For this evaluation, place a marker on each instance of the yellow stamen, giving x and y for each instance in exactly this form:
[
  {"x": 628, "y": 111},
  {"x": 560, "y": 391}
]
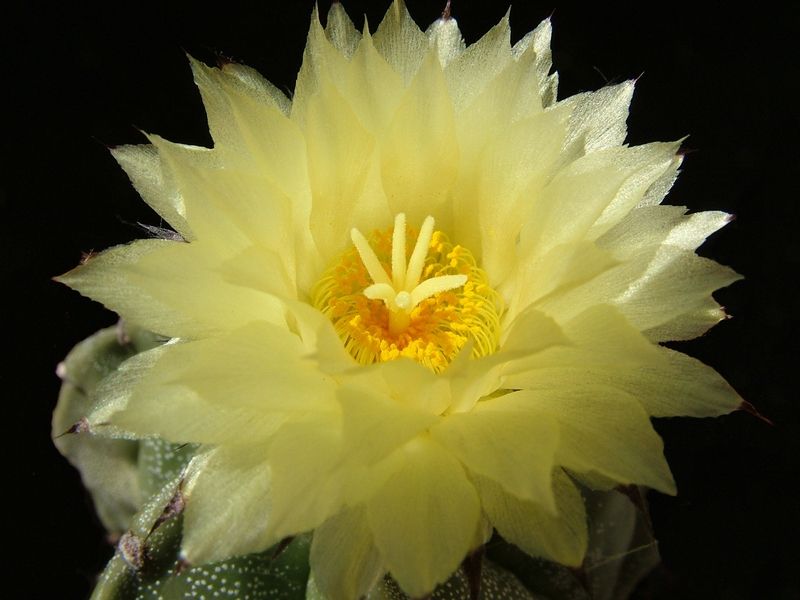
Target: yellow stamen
[{"x": 423, "y": 305}]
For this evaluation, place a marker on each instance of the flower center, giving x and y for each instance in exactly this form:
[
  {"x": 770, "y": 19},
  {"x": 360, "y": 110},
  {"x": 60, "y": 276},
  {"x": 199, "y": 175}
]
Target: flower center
[{"x": 402, "y": 293}]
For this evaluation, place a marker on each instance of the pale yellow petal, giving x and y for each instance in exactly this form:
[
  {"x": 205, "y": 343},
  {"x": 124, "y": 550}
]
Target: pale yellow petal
[
  {"x": 659, "y": 189},
  {"x": 102, "y": 279},
  {"x": 344, "y": 558},
  {"x": 157, "y": 188},
  {"x": 112, "y": 393},
  {"x": 375, "y": 425},
  {"x": 179, "y": 415},
  {"x": 676, "y": 282},
  {"x": 255, "y": 210},
  {"x": 261, "y": 366},
  {"x": 278, "y": 153},
  {"x": 591, "y": 194},
  {"x": 609, "y": 283},
  {"x": 561, "y": 269},
  {"x": 693, "y": 230},
  {"x": 321, "y": 60},
  {"x": 188, "y": 166},
  {"x": 568, "y": 206},
  {"x": 339, "y": 156},
  {"x": 424, "y": 518},
  {"x": 682, "y": 387},
  {"x": 445, "y": 36},
  {"x": 602, "y": 335},
  {"x": 641, "y": 230},
  {"x": 373, "y": 89},
  {"x": 307, "y": 485},
  {"x": 691, "y": 323},
  {"x": 470, "y": 380},
  {"x": 320, "y": 339},
  {"x": 250, "y": 82},
  {"x": 261, "y": 269},
  {"x": 602, "y": 429},
  {"x": 275, "y": 144},
  {"x": 229, "y": 498},
  {"x": 416, "y": 386},
  {"x": 512, "y": 95},
  {"x": 561, "y": 537},
  {"x": 187, "y": 278},
  {"x": 647, "y": 163},
  {"x": 472, "y": 69},
  {"x": 400, "y": 41},
  {"x": 341, "y": 32},
  {"x": 158, "y": 406},
  {"x": 420, "y": 155},
  {"x": 538, "y": 41},
  {"x": 221, "y": 123},
  {"x": 509, "y": 174},
  {"x": 612, "y": 348},
  {"x": 507, "y": 440},
  {"x": 598, "y": 119}
]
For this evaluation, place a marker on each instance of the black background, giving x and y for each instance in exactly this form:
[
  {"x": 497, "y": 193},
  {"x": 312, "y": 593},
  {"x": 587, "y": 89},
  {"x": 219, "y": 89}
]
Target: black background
[{"x": 75, "y": 78}]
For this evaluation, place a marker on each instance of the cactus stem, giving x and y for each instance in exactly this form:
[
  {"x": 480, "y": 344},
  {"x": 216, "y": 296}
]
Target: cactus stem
[
  {"x": 634, "y": 494},
  {"x": 582, "y": 576},
  {"x": 282, "y": 545},
  {"x": 472, "y": 567}
]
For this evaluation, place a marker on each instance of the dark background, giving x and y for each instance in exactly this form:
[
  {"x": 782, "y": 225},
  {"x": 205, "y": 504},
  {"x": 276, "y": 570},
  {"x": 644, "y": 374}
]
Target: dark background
[{"x": 75, "y": 78}]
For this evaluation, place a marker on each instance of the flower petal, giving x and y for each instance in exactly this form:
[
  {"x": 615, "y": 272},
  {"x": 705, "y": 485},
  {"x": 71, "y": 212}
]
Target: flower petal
[
  {"x": 563, "y": 268},
  {"x": 344, "y": 558},
  {"x": 425, "y": 517},
  {"x": 339, "y": 156},
  {"x": 445, "y": 36},
  {"x": 508, "y": 440},
  {"x": 250, "y": 82},
  {"x": 304, "y": 459},
  {"x": 274, "y": 143},
  {"x": 151, "y": 403},
  {"x": 470, "y": 380},
  {"x": 260, "y": 269},
  {"x": 341, "y": 32},
  {"x": 561, "y": 537},
  {"x": 209, "y": 221},
  {"x": 509, "y": 174},
  {"x": 420, "y": 155},
  {"x": 321, "y": 60},
  {"x": 537, "y": 42},
  {"x": 156, "y": 186},
  {"x": 375, "y": 425},
  {"x": 244, "y": 369},
  {"x": 469, "y": 73},
  {"x": 401, "y": 42},
  {"x": 602, "y": 429},
  {"x": 187, "y": 278},
  {"x": 600, "y": 335},
  {"x": 102, "y": 278},
  {"x": 598, "y": 120},
  {"x": 684, "y": 386},
  {"x": 228, "y": 504},
  {"x": 374, "y": 90},
  {"x": 675, "y": 283},
  {"x": 613, "y": 179}
]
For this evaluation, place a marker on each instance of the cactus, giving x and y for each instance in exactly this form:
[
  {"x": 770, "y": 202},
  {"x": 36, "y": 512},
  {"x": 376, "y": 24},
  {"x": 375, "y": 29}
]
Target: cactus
[{"x": 137, "y": 493}]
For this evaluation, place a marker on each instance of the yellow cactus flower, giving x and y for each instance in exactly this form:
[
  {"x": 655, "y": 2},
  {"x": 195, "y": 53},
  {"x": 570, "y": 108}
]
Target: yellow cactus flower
[{"x": 415, "y": 303}]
